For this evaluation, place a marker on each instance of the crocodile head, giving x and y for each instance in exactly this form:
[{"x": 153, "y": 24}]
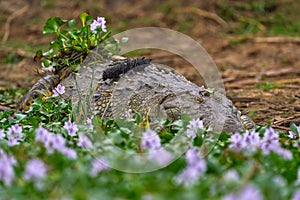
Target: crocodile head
[{"x": 212, "y": 107}]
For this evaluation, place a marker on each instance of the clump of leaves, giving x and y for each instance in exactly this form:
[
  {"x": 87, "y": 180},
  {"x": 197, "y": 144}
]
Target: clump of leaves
[
  {"x": 73, "y": 42},
  {"x": 267, "y": 86}
]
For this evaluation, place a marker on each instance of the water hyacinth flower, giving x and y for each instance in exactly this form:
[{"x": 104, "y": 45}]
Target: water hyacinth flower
[
  {"x": 150, "y": 140},
  {"x": 58, "y": 90},
  {"x": 237, "y": 141},
  {"x": 69, "y": 152},
  {"x": 270, "y": 142},
  {"x": 54, "y": 142},
  {"x": 35, "y": 169},
  {"x": 193, "y": 126},
  {"x": 252, "y": 142},
  {"x": 249, "y": 192},
  {"x": 12, "y": 141},
  {"x": 232, "y": 175},
  {"x": 6, "y": 168},
  {"x": 14, "y": 135},
  {"x": 84, "y": 141},
  {"x": 161, "y": 156},
  {"x": 98, "y": 165},
  {"x": 90, "y": 123},
  {"x": 296, "y": 195},
  {"x": 195, "y": 167},
  {"x": 71, "y": 127},
  {"x": 298, "y": 177},
  {"x": 2, "y": 134},
  {"x": 99, "y": 23}
]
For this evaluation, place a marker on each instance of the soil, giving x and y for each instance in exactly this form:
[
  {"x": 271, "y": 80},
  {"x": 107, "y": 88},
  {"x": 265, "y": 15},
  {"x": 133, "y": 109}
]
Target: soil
[{"x": 249, "y": 67}]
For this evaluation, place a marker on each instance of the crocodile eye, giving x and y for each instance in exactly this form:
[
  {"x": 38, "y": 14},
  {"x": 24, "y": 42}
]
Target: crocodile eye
[{"x": 204, "y": 93}]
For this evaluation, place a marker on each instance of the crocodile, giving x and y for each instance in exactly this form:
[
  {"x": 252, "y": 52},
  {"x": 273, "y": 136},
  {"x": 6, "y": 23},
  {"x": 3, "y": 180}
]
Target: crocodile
[{"x": 118, "y": 89}]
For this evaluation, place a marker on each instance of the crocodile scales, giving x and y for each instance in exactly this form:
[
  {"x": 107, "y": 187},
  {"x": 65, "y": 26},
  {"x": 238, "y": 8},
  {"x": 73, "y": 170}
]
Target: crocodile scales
[{"x": 150, "y": 89}]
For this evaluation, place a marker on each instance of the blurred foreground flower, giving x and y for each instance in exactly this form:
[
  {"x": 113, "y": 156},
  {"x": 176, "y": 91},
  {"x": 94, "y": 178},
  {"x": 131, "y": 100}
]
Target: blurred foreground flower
[
  {"x": 35, "y": 169},
  {"x": 84, "y": 141},
  {"x": 98, "y": 165},
  {"x": 161, "y": 156},
  {"x": 150, "y": 140},
  {"x": 6, "y": 168},
  {"x": 2, "y": 134},
  {"x": 249, "y": 192},
  {"x": 195, "y": 167},
  {"x": 54, "y": 142},
  {"x": 296, "y": 195}
]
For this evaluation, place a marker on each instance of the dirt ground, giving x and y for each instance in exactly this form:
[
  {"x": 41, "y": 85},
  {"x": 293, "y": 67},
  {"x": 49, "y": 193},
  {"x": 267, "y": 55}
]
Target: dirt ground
[{"x": 250, "y": 65}]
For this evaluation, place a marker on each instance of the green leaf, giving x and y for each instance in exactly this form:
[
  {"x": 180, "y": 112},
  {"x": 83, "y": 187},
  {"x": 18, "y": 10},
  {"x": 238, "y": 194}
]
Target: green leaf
[
  {"x": 75, "y": 68},
  {"x": 52, "y": 25},
  {"x": 38, "y": 55},
  {"x": 72, "y": 23},
  {"x": 294, "y": 128},
  {"x": 89, "y": 20},
  {"x": 105, "y": 36},
  {"x": 47, "y": 62},
  {"x": 78, "y": 48}
]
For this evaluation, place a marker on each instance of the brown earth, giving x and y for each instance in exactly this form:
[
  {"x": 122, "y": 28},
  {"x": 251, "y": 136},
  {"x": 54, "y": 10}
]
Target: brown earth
[{"x": 245, "y": 62}]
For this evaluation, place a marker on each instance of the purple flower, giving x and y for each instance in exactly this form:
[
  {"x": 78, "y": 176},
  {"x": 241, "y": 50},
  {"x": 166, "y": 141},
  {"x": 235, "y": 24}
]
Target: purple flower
[
  {"x": 296, "y": 195},
  {"x": 12, "y": 141},
  {"x": 84, "y": 141},
  {"x": 89, "y": 122},
  {"x": 193, "y": 127},
  {"x": 249, "y": 192},
  {"x": 298, "y": 177},
  {"x": 284, "y": 153},
  {"x": 191, "y": 174},
  {"x": 41, "y": 134},
  {"x": 2, "y": 134},
  {"x": 232, "y": 175},
  {"x": 150, "y": 140},
  {"x": 59, "y": 90},
  {"x": 6, "y": 168},
  {"x": 35, "y": 169},
  {"x": 58, "y": 141},
  {"x": 251, "y": 140},
  {"x": 71, "y": 127},
  {"x": 54, "y": 142},
  {"x": 161, "y": 156},
  {"x": 195, "y": 167},
  {"x": 98, "y": 165},
  {"x": 14, "y": 135},
  {"x": 15, "y": 130},
  {"x": 70, "y": 153},
  {"x": 192, "y": 156},
  {"x": 270, "y": 142},
  {"x": 100, "y": 22},
  {"x": 237, "y": 141},
  {"x": 50, "y": 141}
]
